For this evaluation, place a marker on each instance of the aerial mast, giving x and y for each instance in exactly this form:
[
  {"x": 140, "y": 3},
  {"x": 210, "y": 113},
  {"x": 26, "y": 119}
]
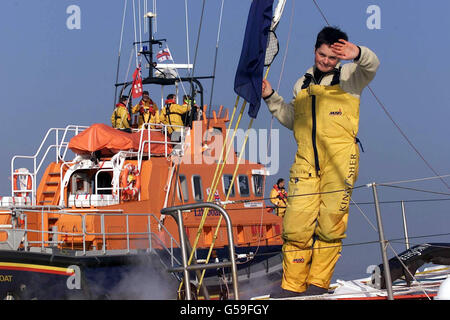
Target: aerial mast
[{"x": 148, "y": 54}]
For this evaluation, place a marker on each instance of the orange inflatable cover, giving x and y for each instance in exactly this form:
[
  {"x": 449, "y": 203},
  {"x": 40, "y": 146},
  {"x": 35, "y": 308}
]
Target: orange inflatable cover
[{"x": 107, "y": 140}]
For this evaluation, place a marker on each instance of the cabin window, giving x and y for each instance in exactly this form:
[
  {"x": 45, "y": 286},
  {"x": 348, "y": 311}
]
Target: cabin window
[
  {"x": 226, "y": 184},
  {"x": 103, "y": 183},
  {"x": 183, "y": 190},
  {"x": 258, "y": 184},
  {"x": 244, "y": 190},
  {"x": 197, "y": 186}
]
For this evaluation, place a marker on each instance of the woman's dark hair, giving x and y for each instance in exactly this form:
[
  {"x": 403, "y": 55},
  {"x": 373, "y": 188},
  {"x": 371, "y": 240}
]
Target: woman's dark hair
[
  {"x": 330, "y": 35},
  {"x": 280, "y": 180}
]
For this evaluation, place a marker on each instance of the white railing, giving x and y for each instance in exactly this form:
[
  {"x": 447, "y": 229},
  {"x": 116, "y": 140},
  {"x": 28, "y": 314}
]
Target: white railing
[
  {"x": 60, "y": 145},
  {"x": 15, "y": 214},
  {"x": 61, "y": 140},
  {"x": 146, "y": 132}
]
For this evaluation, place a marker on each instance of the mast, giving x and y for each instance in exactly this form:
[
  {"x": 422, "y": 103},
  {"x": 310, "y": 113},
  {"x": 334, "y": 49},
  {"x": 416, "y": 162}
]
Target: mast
[{"x": 148, "y": 54}]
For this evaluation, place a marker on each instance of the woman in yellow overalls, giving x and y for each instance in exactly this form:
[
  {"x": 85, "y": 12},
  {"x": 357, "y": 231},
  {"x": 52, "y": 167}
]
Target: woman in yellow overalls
[{"x": 324, "y": 117}]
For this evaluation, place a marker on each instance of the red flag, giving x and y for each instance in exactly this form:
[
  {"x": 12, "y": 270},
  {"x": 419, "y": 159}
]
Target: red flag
[{"x": 137, "y": 84}]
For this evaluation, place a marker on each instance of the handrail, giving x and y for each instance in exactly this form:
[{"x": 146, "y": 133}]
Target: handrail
[
  {"x": 83, "y": 215},
  {"x": 176, "y": 213},
  {"x": 61, "y": 137},
  {"x": 36, "y": 166}
]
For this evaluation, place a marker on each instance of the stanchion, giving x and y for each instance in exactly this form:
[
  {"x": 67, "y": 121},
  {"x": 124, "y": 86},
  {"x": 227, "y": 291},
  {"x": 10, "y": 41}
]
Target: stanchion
[{"x": 383, "y": 243}]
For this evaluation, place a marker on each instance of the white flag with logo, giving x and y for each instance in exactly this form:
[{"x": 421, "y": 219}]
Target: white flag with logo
[{"x": 164, "y": 55}]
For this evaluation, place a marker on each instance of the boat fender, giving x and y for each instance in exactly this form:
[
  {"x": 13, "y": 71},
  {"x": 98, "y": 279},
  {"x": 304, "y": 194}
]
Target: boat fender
[{"x": 130, "y": 182}]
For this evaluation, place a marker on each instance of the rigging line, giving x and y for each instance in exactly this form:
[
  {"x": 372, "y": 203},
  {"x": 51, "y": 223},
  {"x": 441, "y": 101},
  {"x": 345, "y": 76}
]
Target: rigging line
[
  {"x": 364, "y": 215},
  {"x": 415, "y": 189},
  {"x": 390, "y": 117},
  {"x": 320, "y": 11},
  {"x": 196, "y": 47},
  {"x": 233, "y": 179},
  {"x": 301, "y": 195},
  {"x": 120, "y": 50},
  {"x": 140, "y": 26},
  {"x": 397, "y": 240},
  {"x": 406, "y": 138},
  {"x": 407, "y": 270},
  {"x": 216, "y": 179},
  {"x": 145, "y": 4},
  {"x": 135, "y": 34},
  {"x": 129, "y": 65},
  {"x": 219, "y": 168},
  {"x": 215, "y": 64},
  {"x": 176, "y": 69},
  {"x": 155, "y": 20},
  {"x": 187, "y": 32},
  {"x": 405, "y": 201},
  {"x": 364, "y": 203},
  {"x": 291, "y": 22},
  {"x": 418, "y": 179},
  {"x": 402, "y": 241}
]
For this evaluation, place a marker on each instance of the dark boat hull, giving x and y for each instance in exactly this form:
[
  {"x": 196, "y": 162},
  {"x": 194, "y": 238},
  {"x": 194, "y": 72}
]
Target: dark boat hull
[{"x": 139, "y": 275}]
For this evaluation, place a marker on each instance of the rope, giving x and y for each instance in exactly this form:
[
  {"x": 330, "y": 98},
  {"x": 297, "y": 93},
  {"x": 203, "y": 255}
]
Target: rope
[
  {"x": 140, "y": 25},
  {"x": 414, "y": 189},
  {"x": 214, "y": 67},
  {"x": 365, "y": 216},
  {"x": 155, "y": 20},
  {"x": 291, "y": 22},
  {"x": 197, "y": 43},
  {"x": 416, "y": 180},
  {"x": 228, "y": 195},
  {"x": 176, "y": 69},
  {"x": 120, "y": 50},
  {"x": 215, "y": 177},
  {"x": 135, "y": 35},
  {"x": 187, "y": 31},
  {"x": 406, "y": 138},
  {"x": 320, "y": 11}
]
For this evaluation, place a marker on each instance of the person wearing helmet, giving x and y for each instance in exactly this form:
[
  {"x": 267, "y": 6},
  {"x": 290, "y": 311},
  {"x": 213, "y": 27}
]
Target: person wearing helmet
[
  {"x": 147, "y": 110},
  {"x": 324, "y": 118},
  {"x": 278, "y": 197},
  {"x": 120, "y": 118}
]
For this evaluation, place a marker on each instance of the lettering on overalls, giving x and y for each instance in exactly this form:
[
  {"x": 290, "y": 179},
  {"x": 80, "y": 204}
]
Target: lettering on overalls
[
  {"x": 336, "y": 113},
  {"x": 343, "y": 206},
  {"x": 298, "y": 260}
]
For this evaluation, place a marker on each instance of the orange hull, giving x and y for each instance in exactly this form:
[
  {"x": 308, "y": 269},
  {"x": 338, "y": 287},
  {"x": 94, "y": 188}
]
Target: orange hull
[{"x": 128, "y": 224}]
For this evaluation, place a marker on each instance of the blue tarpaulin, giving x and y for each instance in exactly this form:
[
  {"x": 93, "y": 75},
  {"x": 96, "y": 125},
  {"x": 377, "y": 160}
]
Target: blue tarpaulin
[{"x": 249, "y": 74}]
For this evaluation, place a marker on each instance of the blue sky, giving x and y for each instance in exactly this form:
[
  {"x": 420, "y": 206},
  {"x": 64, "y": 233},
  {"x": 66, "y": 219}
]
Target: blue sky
[{"x": 51, "y": 76}]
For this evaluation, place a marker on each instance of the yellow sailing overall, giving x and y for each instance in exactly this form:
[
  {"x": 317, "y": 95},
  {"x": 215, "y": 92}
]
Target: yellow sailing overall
[{"x": 326, "y": 166}]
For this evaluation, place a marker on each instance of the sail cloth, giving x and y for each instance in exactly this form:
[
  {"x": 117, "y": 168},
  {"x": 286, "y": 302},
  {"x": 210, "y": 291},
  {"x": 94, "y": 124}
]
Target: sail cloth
[
  {"x": 108, "y": 141},
  {"x": 249, "y": 74}
]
